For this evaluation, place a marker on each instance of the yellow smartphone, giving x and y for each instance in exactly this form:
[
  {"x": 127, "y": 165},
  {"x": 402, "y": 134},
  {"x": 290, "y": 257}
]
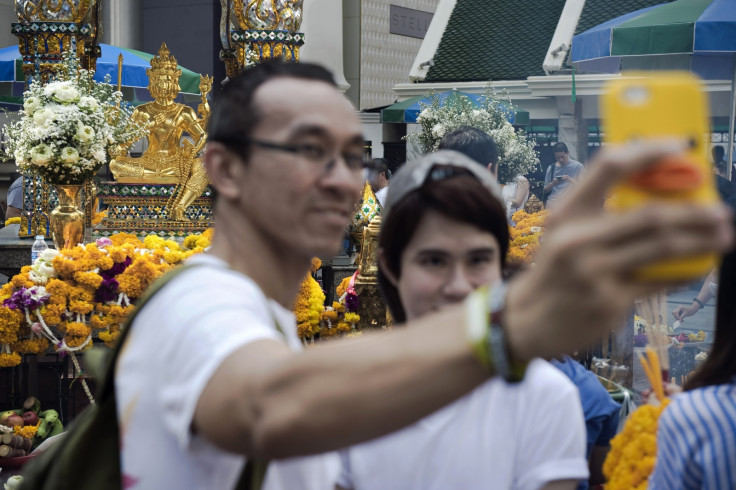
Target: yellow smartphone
[{"x": 663, "y": 104}]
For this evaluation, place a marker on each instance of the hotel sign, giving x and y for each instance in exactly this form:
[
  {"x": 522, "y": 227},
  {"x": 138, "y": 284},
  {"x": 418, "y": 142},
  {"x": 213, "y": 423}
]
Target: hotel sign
[{"x": 409, "y": 22}]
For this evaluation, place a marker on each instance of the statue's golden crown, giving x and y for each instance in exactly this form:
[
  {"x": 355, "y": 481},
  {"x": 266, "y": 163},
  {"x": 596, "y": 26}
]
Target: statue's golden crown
[{"x": 163, "y": 61}]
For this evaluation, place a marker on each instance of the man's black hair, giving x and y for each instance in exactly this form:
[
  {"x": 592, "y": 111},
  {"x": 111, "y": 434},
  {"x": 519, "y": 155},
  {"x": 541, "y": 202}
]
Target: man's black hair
[
  {"x": 234, "y": 113},
  {"x": 472, "y": 142},
  {"x": 560, "y": 147},
  {"x": 381, "y": 165}
]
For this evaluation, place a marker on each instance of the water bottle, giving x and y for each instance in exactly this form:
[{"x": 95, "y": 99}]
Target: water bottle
[{"x": 38, "y": 247}]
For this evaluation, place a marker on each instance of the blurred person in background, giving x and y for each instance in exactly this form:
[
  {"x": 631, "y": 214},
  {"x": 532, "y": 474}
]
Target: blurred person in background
[
  {"x": 380, "y": 178},
  {"x": 561, "y": 176}
]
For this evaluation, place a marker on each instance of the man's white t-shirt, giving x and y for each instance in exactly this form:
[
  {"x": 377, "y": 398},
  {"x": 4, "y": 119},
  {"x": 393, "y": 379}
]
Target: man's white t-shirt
[
  {"x": 176, "y": 343},
  {"x": 500, "y": 436},
  {"x": 381, "y": 195}
]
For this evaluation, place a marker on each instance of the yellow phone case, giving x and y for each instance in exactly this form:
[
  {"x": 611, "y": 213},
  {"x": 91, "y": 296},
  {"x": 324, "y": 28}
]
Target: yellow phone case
[{"x": 646, "y": 105}]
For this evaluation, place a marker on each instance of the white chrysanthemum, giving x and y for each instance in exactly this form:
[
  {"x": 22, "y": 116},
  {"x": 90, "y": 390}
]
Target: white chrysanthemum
[
  {"x": 69, "y": 154},
  {"x": 38, "y": 293},
  {"x": 31, "y": 105},
  {"x": 88, "y": 103},
  {"x": 41, "y": 154},
  {"x": 49, "y": 254},
  {"x": 19, "y": 155},
  {"x": 99, "y": 154},
  {"x": 85, "y": 134},
  {"x": 63, "y": 92},
  {"x": 44, "y": 117},
  {"x": 36, "y": 277}
]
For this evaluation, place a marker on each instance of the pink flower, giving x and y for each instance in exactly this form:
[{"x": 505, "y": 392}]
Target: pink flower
[
  {"x": 103, "y": 242},
  {"x": 37, "y": 328}
]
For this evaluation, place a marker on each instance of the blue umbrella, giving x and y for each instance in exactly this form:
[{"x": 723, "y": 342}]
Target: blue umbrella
[
  {"x": 408, "y": 110},
  {"x": 695, "y": 35},
  {"x": 134, "y": 79}
]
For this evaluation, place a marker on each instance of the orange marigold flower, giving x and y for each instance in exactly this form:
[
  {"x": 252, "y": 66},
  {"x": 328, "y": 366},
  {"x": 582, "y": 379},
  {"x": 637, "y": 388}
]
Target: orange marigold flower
[
  {"x": 31, "y": 346},
  {"x": 88, "y": 279},
  {"x": 109, "y": 337},
  {"x": 343, "y": 286},
  {"x": 9, "y": 360},
  {"x": 74, "y": 342}
]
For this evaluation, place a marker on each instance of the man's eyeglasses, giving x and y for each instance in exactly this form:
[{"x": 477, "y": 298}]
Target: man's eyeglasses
[{"x": 317, "y": 155}]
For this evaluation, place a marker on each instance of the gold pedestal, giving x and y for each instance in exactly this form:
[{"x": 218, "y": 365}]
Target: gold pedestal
[{"x": 372, "y": 308}]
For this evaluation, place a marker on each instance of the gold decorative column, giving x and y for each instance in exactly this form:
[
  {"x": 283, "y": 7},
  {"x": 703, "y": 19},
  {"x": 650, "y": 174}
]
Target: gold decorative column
[
  {"x": 255, "y": 30},
  {"x": 45, "y": 30}
]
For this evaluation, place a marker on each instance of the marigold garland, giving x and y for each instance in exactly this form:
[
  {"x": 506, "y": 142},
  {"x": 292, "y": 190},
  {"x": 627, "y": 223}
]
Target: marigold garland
[
  {"x": 308, "y": 308},
  {"x": 314, "y": 320},
  {"x": 525, "y": 236},
  {"x": 66, "y": 296},
  {"x": 343, "y": 286},
  {"x": 9, "y": 359},
  {"x": 633, "y": 451}
]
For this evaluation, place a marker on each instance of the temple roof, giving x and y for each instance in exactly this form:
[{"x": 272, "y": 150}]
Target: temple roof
[{"x": 508, "y": 39}]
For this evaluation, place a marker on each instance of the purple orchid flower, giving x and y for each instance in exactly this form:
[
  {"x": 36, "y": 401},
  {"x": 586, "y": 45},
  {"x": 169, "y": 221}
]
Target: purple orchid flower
[
  {"x": 116, "y": 269},
  {"x": 352, "y": 302},
  {"x": 27, "y": 298},
  {"x": 108, "y": 290}
]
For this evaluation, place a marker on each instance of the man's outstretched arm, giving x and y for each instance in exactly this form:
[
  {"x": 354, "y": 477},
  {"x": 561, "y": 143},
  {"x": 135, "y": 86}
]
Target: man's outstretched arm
[{"x": 337, "y": 394}]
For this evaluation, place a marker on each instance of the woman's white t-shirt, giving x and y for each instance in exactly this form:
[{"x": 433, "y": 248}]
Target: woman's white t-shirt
[
  {"x": 508, "y": 193},
  {"x": 500, "y": 436}
]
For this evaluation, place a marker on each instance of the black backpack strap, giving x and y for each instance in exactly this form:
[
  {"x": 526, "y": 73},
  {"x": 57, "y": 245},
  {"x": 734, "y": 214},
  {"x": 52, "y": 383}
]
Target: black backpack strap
[
  {"x": 253, "y": 475},
  {"x": 107, "y": 386},
  {"x": 254, "y": 472}
]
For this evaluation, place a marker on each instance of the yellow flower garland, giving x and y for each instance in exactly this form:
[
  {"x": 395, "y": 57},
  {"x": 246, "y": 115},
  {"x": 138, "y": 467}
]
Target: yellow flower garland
[
  {"x": 525, "y": 236},
  {"x": 314, "y": 319},
  {"x": 71, "y": 309},
  {"x": 9, "y": 360},
  {"x": 308, "y": 308},
  {"x": 343, "y": 286},
  {"x": 633, "y": 452}
]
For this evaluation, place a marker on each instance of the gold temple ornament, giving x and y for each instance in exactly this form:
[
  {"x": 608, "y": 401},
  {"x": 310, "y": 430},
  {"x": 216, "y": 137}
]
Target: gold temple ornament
[
  {"x": 176, "y": 137},
  {"x": 255, "y": 30},
  {"x": 47, "y": 28}
]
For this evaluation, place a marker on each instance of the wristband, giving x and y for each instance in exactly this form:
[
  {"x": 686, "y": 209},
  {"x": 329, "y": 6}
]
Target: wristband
[
  {"x": 476, "y": 328},
  {"x": 509, "y": 370},
  {"x": 700, "y": 303}
]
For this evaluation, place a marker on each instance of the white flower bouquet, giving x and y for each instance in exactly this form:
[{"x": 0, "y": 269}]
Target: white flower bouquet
[
  {"x": 68, "y": 125},
  {"x": 516, "y": 152}
]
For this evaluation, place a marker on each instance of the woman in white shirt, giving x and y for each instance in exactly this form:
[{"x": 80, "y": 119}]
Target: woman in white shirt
[
  {"x": 445, "y": 234},
  {"x": 515, "y": 194}
]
